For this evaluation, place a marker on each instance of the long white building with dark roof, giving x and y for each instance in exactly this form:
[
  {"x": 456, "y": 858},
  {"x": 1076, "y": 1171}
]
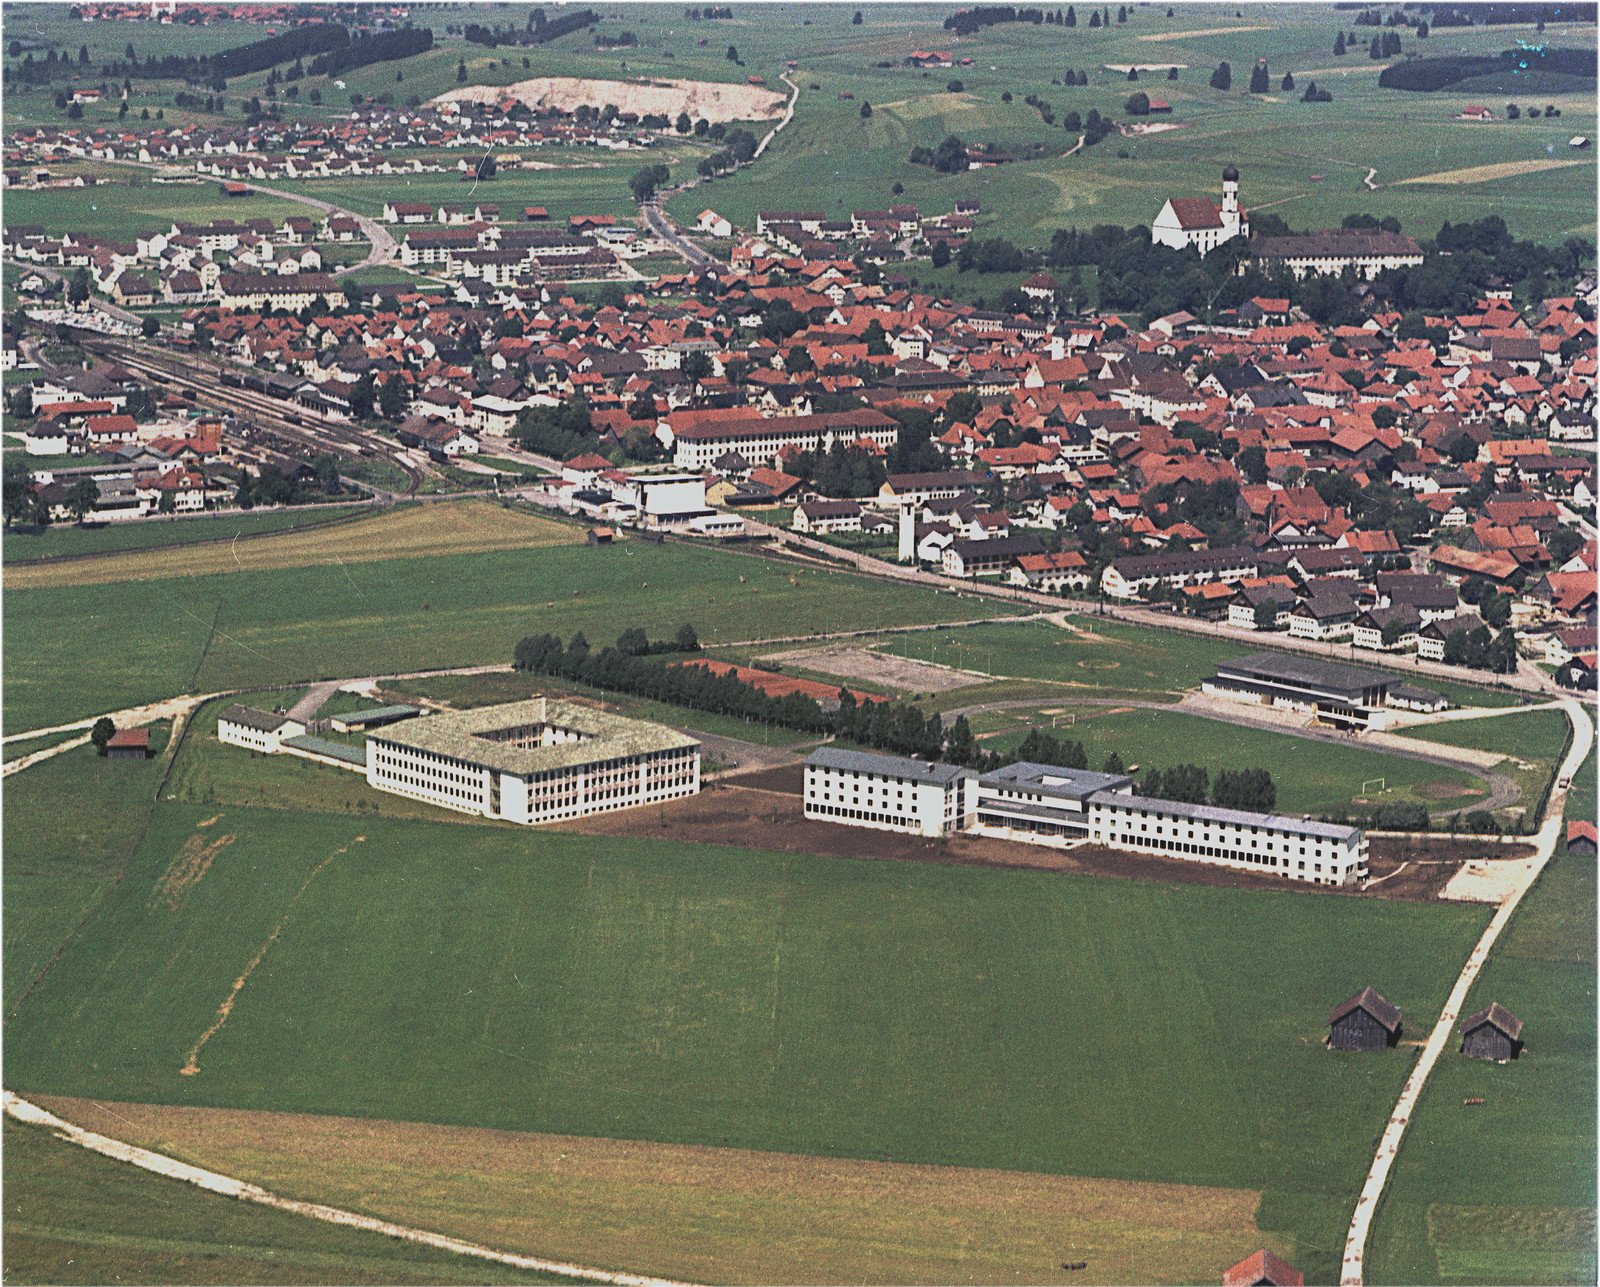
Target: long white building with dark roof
[{"x": 1042, "y": 804}]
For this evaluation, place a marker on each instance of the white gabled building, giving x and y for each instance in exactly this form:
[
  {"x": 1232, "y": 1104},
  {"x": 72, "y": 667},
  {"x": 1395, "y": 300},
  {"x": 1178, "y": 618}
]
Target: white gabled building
[
  {"x": 256, "y": 730},
  {"x": 1200, "y": 222}
]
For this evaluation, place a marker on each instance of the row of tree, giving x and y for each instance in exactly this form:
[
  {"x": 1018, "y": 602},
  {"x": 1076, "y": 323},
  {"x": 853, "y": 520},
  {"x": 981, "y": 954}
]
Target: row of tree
[
  {"x": 896, "y": 727},
  {"x": 366, "y": 49}
]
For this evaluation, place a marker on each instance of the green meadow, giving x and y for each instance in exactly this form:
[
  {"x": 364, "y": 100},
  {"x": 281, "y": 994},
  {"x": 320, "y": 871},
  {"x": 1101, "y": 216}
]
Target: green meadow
[
  {"x": 653, "y": 990},
  {"x": 1307, "y": 162},
  {"x": 1446, "y": 1217},
  {"x": 123, "y": 210},
  {"x": 203, "y": 633},
  {"x": 70, "y": 541}
]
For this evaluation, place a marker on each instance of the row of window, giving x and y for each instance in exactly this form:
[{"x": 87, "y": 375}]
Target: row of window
[
  {"x": 1211, "y": 851},
  {"x": 860, "y": 815}
]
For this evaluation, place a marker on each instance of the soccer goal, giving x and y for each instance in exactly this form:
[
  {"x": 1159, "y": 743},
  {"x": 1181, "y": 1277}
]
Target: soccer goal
[
  {"x": 1064, "y": 719},
  {"x": 1373, "y": 782}
]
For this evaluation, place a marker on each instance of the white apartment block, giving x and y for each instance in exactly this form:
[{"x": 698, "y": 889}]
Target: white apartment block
[
  {"x": 887, "y": 792},
  {"x": 533, "y": 762},
  {"x": 696, "y": 440}
]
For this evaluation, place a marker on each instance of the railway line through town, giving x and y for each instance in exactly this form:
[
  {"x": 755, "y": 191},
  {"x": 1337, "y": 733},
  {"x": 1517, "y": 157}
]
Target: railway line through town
[{"x": 303, "y": 429}]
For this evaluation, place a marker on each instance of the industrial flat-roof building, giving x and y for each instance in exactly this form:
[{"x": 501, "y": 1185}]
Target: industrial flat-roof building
[
  {"x": 1043, "y": 804},
  {"x": 533, "y": 762},
  {"x": 1350, "y": 697}
]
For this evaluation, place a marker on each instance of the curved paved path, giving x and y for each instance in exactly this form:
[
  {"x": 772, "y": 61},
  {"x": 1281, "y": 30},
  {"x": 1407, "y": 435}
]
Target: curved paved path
[
  {"x": 213, "y": 1182},
  {"x": 1353, "y": 1266}
]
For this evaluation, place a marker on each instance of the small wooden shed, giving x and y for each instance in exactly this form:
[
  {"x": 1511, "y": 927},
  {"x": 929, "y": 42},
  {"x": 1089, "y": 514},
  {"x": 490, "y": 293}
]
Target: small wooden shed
[
  {"x": 1493, "y": 1033},
  {"x": 1367, "y": 1021},
  {"x": 1263, "y": 1269},
  {"x": 129, "y": 744}
]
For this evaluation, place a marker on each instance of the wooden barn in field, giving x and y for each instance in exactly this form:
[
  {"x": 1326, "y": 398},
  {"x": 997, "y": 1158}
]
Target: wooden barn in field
[
  {"x": 1493, "y": 1033},
  {"x": 1263, "y": 1269},
  {"x": 1367, "y": 1021},
  {"x": 129, "y": 744}
]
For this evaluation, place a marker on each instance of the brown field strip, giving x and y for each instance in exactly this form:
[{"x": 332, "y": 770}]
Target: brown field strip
[
  {"x": 457, "y": 527},
  {"x": 710, "y": 1214},
  {"x": 1489, "y": 173}
]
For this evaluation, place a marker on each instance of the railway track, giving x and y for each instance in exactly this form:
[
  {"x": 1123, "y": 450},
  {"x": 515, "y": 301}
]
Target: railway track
[{"x": 272, "y": 428}]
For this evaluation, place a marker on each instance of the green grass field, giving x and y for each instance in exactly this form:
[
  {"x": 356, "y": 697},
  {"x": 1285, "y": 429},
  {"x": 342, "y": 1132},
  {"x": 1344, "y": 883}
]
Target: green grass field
[
  {"x": 74, "y": 1217},
  {"x": 1110, "y": 656},
  {"x": 648, "y": 990},
  {"x": 68, "y": 541},
  {"x": 126, "y": 209},
  {"x": 1311, "y": 777},
  {"x": 1094, "y": 652},
  {"x": 1305, "y": 161},
  {"x": 585, "y": 185},
  {"x": 1446, "y": 1217},
  {"x": 1531, "y": 741},
  {"x": 71, "y": 822},
  {"x": 186, "y": 634}
]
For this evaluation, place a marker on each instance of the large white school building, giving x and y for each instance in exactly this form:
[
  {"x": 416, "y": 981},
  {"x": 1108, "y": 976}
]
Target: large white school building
[
  {"x": 1043, "y": 804},
  {"x": 532, "y": 762}
]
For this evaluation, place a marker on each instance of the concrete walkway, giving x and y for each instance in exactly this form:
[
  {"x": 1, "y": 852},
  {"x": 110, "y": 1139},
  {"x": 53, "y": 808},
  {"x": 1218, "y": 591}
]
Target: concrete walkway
[
  {"x": 305, "y": 710},
  {"x": 212, "y": 1182},
  {"x": 1353, "y": 1267}
]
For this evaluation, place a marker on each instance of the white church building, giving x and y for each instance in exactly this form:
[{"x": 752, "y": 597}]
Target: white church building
[{"x": 1199, "y": 221}]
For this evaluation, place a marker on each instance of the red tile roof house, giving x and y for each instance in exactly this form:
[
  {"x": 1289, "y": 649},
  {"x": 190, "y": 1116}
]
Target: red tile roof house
[{"x": 1262, "y": 1269}]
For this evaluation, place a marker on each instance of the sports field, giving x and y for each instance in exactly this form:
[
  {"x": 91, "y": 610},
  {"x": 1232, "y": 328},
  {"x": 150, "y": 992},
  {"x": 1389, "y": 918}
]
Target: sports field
[
  {"x": 1311, "y": 776},
  {"x": 186, "y": 633},
  {"x": 1090, "y": 652},
  {"x": 73, "y": 1217},
  {"x": 657, "y": 991},
  {"x": 1109, "y": 656},
  {"x": 1531, "y": 741}
]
